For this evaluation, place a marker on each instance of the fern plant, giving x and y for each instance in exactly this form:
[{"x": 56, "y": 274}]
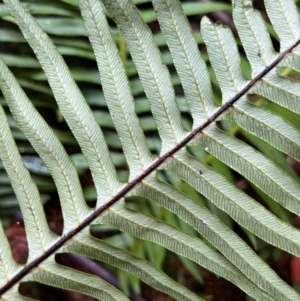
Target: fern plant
[{"x": 226, "y": 254}]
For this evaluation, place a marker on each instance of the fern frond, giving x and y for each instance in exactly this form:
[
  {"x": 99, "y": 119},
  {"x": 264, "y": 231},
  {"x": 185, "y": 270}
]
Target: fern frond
[{"x": 183, "y": 156}]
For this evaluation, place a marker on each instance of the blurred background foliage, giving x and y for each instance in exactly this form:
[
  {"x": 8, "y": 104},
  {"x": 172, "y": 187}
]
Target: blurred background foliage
[{"x": 62, "y": 21}]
